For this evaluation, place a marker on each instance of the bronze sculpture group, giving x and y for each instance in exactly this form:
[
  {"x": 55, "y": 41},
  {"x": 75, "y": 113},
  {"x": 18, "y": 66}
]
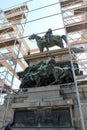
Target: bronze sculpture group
[
  {"x": 49, "y": 40},
  {"x": 43, "y": 74}
]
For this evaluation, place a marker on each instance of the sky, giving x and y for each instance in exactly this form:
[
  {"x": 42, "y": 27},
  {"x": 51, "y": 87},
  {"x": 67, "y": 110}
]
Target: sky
[{"x": 41, "y": 25}]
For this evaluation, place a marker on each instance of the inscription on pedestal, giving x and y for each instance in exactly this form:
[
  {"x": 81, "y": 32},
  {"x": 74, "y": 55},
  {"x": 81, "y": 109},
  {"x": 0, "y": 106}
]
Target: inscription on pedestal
[{"x": 46, "y": 117}]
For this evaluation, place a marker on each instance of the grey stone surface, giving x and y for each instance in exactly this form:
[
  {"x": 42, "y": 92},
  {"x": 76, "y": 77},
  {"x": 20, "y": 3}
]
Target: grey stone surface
[
  {"x": 43, "y": 104},
  {"x": 44, "y": 128}
]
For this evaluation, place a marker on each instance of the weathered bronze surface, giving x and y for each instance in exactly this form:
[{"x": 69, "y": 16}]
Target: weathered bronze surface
[{"x": 43, "y": 74}]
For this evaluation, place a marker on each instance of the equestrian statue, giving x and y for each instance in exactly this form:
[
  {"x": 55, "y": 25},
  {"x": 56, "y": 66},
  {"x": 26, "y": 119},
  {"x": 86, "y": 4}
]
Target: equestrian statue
[{"x": 48, "y": 40}]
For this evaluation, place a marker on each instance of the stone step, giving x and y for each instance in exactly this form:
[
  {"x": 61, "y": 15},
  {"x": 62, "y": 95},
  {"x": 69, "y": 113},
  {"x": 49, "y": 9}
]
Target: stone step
[
  {"x": 43, "y": 128},
  {"x": 44, "y": 94},
  {"x": 43, "y": 89},
  {"x": 53, "y": 99},
  {"x": 44, "y": 99},
  {"x": 42, "y": 104}
]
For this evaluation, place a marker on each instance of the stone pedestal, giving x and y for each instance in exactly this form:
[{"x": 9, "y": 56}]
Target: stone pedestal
[
  {"x": 40, "y": 105},
  {"x": 48, "y": 96}
]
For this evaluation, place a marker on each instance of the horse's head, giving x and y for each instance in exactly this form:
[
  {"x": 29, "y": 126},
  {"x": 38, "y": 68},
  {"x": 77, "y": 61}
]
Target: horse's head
[{"x": 33, "y": 36}]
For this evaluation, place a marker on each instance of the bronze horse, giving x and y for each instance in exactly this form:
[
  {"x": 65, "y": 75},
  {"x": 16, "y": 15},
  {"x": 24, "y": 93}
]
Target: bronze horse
[{"x": 42, "y": 43}]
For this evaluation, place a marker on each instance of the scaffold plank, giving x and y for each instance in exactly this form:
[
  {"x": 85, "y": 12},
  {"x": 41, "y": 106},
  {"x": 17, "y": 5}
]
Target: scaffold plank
[
  {"x": 66, "y": 3},
  {"x": 11, "y": 34},
  {"x": 16, "y": 9},
  {"x": 81, "y": 77},
  {"x": 4, "y": 87},
  {"x": 9, "y": 42},
  {"x": 17, "y": 17},
  {"x": 22, "y": 65},
  {"x": 72, "y": 18},
  {"x": 23, "y": 52},
  {"x": 34, "y": 50},
  {"x": 5, "y": 64},
  {"x": 82, "y": 62},
  {"x": 1, "y": 83},
  {"x": 80, "y": 10},
  {"x": 78, "y": 42},
  {"x": 22, "y": 39},
  {"x": 78, "y": 26},
  {"x": 16, "y": 13},
  {"x": 5, "y": 30},
  {"x": 78, "y": 49}
]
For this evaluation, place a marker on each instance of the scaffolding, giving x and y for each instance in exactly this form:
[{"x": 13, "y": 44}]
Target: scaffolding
[
  {"x": 11, "y": 45},
  {"x": 74, "y": 17}
]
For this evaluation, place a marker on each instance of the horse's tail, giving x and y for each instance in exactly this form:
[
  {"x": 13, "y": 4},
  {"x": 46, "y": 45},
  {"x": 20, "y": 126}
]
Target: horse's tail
[{"x": 64, "y": 38}]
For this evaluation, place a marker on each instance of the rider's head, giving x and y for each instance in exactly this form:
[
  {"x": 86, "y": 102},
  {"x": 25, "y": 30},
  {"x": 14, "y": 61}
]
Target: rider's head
[{"x": 50, "y": 30}]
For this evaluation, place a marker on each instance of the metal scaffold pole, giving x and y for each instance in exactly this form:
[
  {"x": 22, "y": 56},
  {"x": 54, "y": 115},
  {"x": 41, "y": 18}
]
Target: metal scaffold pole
[{"x": 74, "y": 77}]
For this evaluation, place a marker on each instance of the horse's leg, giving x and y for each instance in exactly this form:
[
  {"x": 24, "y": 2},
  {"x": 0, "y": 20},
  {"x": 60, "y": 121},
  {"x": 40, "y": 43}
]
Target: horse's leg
[
  {"x": 47, "y": 48},
  {"x": 41, "y": 49},
  {"x": 64, "y": 38},
  {"x": 36, "y": 78},
  {"x": 71, "y": 76},
  {"x": 56, "y": 77},
  {"x": 23, "y": 84},
  {"x": 38, "y": 81},
  {"x": 61, "y": 43}
]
